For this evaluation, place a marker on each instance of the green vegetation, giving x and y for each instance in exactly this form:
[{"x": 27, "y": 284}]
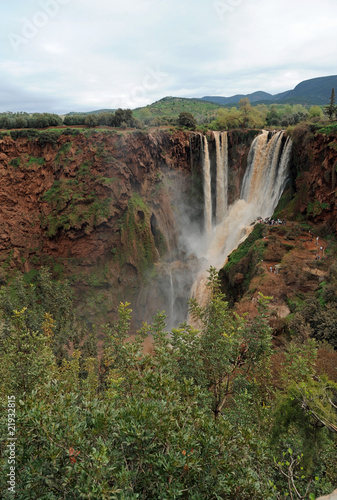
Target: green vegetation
[
  {"x": 317, "y": 314},
  {"x": 120, "y": 118},
  {"x": 331, "y": 109},
  {"x": 167, "y": 110},
  {"x": 329, "y": 128},
  {"x": 316, "y": 208},
  {"x": 35, "y": 161},
  {"x": 238, "y": 271},
  {"x": 136, "y": 236},
  {"x": 208, "y": 415},
  {"x": 37, "y": 295},
  {"x": 62, "y": 157},
  {"x": 187, "y": 120},
  {"x": 243, "y": 249},
  {"x": 283, "y": 205},
  {"x": 218, "y": 115},
  {"x": 44, "y": 137},
  {"x": 222, "y": 117},
  {"x": 75, "y": 203},
  {"x": 26, "y": 120},
  {"x": 15, "y": 162},
  {"x": 208, "y": 115},
  {"x": 245, "y": 116},
  {"x": 26, "y": 161}
]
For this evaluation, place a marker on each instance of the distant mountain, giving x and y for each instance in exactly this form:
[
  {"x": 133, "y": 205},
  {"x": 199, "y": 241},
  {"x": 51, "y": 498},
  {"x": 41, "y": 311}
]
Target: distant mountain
[
  {"x": 313, "y": 91},
  {"x": 254, "y": 97},
  {"x": 96, "y": 112}
]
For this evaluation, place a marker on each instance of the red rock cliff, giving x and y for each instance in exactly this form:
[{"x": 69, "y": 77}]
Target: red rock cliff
[{"x": 99, "y": 206}]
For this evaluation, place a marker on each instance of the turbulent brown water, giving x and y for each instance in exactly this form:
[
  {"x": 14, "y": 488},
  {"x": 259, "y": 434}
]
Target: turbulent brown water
[
  {"x": 221, "y": 144},
  {"x": 207, "y": 186},
  {"x": 262, "y": 187}
]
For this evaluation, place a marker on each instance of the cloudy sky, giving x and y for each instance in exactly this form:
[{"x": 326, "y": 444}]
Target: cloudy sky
[{"x": 79, "y": 55}]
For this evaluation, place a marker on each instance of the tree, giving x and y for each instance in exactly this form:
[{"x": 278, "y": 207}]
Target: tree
[
  {"x": 91, "y": 120},
  {"x": 227, "y": 118},
  {"x": 226, "y": 350},
  {"x": 245, "y": 116},
  {"x": 245, "y": 110},
  {"x": 192, "y": 420},
  {"x": 145, "y": 115},
  {"x": 315, "y": 112},
  {"x": 26, "y": 355},
  {"x": 122, "y": 116},
  {"x": 331, "y": 109},
  {"x": 36, "y": 299},
  {"x": 273, "y": 117},
  {"x": 186, "y": 119}
]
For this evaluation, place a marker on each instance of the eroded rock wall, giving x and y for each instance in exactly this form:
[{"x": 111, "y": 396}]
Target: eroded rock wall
[
  {"x": 314, "y": 171},
  {"x": 104, "y": 207}
]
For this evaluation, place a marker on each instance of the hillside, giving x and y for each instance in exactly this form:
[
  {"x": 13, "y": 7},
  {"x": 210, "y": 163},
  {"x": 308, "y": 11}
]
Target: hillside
[
  {"x": 225, "y": 101},
  {"x": 311, "y": 92},
  {"x": 314, "y": 91},
  {"x": 95, "y": 112},
  {"x": 172, "y": 106}
]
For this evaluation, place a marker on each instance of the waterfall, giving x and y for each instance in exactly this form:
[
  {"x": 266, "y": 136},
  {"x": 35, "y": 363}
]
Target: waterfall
[
  {"x": 262, "y": 187},
  {"x": 221, "y": 145},
  {"x": 207, "y": 186},
  {"x": 191, "y": 152},
  {"x": 282, "y": 175},
  {"x": 262, "y": 173}
]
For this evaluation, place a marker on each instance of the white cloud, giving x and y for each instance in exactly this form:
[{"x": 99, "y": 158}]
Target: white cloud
[{"x": 93, "y": 54}]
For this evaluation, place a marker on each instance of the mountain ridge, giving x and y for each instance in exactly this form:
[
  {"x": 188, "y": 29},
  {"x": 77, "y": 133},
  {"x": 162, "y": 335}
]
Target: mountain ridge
[{"x": 313, "y": 91}]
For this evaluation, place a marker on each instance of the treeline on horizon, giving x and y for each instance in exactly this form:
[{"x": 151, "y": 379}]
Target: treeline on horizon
[
  {"x": 120, "y": 118},
  {"x": 244, "y": 115}
]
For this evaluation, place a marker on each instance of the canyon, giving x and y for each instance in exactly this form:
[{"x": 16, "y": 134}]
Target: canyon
[{"x": 121, "y": 215}]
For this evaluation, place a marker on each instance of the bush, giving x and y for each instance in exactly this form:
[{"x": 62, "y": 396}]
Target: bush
[{"x": 187, "y": 120}]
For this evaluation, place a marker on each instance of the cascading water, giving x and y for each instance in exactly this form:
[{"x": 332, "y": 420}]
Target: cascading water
[
  {"x": 262, "y": 172},
  {"x": 207, "y": 186},
  {"x": 221, "y": 145},
  {"x": 262, "y": 186},
  {"x": 191, "y": 247}
]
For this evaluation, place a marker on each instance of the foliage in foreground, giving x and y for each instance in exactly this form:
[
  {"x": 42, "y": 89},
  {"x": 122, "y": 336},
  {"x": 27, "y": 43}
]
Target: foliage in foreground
[{"x": 198, "y": 419}]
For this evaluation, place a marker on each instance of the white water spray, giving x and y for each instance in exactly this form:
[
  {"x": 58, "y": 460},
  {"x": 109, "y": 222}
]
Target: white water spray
[
  {"x": 221, "y": 145},
  {"x": 263, "y": 184},
  {"x": 207, "y": 187}
]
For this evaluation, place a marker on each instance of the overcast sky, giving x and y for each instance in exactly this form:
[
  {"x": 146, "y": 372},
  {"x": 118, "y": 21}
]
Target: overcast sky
[{"x": 79, "y": 55}]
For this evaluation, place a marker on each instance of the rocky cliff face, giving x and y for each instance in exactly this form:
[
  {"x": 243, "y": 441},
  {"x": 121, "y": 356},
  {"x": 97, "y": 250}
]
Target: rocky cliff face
[
  {"x": 314, "y": 166},
  {"x": 295, "y": 263},
  {"x": 55, "y": 194},
  {"x": 102, "y": 207},
  {"x": 107, "y": 209}
]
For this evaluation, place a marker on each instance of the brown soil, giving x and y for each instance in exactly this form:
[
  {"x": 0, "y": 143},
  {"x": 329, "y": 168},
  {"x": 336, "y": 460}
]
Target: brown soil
[{"x": 293, "y": 271}]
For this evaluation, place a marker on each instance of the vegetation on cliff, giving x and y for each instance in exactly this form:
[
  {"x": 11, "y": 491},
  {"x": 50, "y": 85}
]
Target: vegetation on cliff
[
  {"x": 75, "y": 203},
  {"x": 138, "y": 246}
]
